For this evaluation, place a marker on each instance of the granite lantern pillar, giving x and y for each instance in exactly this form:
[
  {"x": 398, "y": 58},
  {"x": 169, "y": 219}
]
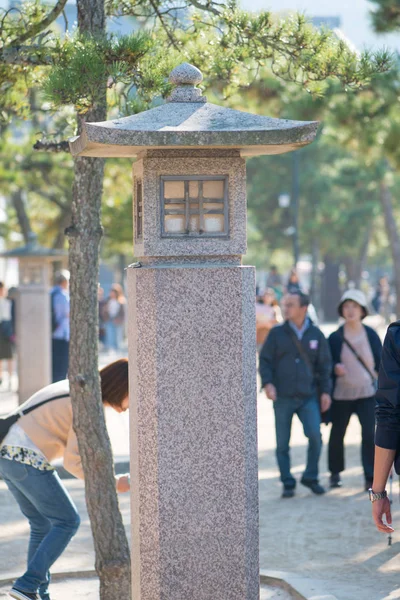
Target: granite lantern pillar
[
  {"x": 33, "y": 315},
  {"x": 192, "y": 346}
]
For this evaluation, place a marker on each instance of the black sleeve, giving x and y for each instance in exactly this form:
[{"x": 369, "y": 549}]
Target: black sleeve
[
  {"x": 267, "y": 359},
  {"x": 335, "y": 346},
  {"x": 387, "y": 397},
  {"x": 377, "y": 350},
  {"x": 324, "y": 366}
]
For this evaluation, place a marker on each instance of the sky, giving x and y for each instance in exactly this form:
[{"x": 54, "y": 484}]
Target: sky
[{"x": 354, "y": 16}]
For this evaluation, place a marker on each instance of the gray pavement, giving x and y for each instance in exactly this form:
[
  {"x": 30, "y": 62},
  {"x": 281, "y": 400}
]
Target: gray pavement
[
  {"x": 325, "y": 547},
  {"x": 85, "y": 588}
]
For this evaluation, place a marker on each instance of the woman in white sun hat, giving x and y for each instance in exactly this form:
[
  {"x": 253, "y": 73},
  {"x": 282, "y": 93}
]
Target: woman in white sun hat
[{"x": 356, "y": 351}]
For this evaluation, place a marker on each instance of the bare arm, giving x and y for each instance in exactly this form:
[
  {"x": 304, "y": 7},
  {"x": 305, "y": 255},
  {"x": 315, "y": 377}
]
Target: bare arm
[{"x": 383, "y": 463}]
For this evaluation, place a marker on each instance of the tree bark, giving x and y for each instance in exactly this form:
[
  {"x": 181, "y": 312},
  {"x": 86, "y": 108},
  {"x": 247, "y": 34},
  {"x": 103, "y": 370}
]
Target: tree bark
[
  {"x": 110, "y": 542},
  {"x": 62, "y": 224},
  {"x": 393, "y": 236},
  {"x": 19, "y": 203}
]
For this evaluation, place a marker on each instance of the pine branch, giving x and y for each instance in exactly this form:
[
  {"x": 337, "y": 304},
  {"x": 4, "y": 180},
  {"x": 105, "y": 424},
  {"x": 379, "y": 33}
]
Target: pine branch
[
  {"x": 51, "y": 146},
  {"x": 209, "y": 7},
  {"x": 27, "y": 56},
  {"x": 38, "y": 27},
  {"x": 163, "y": 24}
]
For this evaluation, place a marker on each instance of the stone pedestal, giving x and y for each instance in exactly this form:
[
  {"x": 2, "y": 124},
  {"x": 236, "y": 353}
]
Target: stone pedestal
[
  {"x": 193, "y": 431},
  {"x": 33, "y": 324}
]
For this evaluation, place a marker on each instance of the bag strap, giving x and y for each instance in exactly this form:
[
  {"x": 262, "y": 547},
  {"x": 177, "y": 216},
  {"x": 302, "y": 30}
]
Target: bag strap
[
  {"x": 300, "y": 348},
  {"x": 31, "y": 408},
  {"x": 358, "y": 357}
]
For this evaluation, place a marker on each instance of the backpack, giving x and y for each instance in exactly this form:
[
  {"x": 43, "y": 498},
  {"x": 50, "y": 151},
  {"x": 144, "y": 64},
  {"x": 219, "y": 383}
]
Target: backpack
[
  {"x": 7, "y": 422},
  {"x": 54, "y": 322}
]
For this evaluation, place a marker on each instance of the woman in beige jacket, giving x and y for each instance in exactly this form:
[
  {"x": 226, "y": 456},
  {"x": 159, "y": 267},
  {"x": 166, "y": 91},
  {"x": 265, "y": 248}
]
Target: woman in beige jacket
[{"x": 26, "y": 452}]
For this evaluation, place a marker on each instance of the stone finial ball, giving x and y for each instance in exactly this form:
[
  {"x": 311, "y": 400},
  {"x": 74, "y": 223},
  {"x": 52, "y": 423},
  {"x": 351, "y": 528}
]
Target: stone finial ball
[{"x": 186, "y": 74}]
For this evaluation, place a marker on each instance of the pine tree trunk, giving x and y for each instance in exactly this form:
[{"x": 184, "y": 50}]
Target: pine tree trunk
[
  {"x": 19, "y": 204},
  {"x": 110, "y": 542},
  {"x": 330, "y": 289},
  {"x": 393, "y": 235},
  {"x": 63, "y": 222}
]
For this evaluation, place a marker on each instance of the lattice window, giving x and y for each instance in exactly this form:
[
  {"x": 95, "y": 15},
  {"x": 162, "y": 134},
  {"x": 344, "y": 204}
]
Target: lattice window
[{"x": 194, "y": 206}]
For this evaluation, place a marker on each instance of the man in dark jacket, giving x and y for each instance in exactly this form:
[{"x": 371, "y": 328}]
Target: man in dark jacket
[
  {"x": 387, "y": 435},
  {"x": 295, "y": 369}
]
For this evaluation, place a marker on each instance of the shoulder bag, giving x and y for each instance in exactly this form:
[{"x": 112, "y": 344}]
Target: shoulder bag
[
  {"x": 7, "y": 422},
  {"x": 360, "y": 360}
]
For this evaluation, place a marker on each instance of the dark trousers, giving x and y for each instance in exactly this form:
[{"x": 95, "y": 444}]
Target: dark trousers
[
  {"x": 342, "y": 410},
  {"x": 60, "y": 357}
]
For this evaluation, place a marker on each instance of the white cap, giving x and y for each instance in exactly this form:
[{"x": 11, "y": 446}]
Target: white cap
[
  {"x": 356, "y": 296},
  {"x": 61, "y": 276}
]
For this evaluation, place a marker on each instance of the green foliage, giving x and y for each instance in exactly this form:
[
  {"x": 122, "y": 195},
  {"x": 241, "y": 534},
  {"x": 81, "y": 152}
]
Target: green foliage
[
  {"x": 46, "y": 182},
  {"x": 338, "y": 200},
  {"x": 386, "y": 16},
  {"x": 237, "y": 42},
  {"x": 17, "y": 20},
  {"x": 117, "y": 212},
  {"x": 85, "y": 62}
]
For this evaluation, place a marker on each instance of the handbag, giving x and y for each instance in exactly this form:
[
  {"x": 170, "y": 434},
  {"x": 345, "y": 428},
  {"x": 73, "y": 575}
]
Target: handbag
[
  {"x": 325, "y": 416},
  {"x": 360, "y": 360},
  {"x": 7, "y": 422},
  {"x": 6, "y": 329}
]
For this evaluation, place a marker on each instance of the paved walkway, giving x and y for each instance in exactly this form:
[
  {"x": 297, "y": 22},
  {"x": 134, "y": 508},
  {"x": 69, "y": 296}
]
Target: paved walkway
[{"x": 325, "y": 547}]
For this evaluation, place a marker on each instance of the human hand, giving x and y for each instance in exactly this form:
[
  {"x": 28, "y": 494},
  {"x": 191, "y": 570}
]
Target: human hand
[
  {"x": 340, "y": 370},
  {"x": 270, "y": 391},
  {"x": 380, "y": 508},
  {"x": 123, "y": 484},
  {"x": 325, "y": 402}
]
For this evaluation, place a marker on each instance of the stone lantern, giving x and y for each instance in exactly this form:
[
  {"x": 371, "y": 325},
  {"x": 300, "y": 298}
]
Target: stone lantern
[
  {"x": 33, "y": 315},
  {"x": 192, "y": 347}
]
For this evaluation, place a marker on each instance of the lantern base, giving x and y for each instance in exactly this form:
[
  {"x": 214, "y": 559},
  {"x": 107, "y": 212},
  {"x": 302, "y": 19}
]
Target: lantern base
[{"x": 192, "y": 357}]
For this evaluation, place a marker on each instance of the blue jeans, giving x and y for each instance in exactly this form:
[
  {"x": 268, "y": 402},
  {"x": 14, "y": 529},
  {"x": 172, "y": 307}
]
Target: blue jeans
[
  {"x": 113, "y": 335},
  {"x": 308, "y": 411},
  {"x": 52, "y": 516}
]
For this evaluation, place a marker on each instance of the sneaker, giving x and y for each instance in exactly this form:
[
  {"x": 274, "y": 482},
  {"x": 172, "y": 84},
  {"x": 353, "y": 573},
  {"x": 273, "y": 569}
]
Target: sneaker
[
  {"x": 314, "y": 486},
  {"x": 335, "y": 480},
  {"x": 288, "y": 492},
  {"x": 20, "y": 595}
]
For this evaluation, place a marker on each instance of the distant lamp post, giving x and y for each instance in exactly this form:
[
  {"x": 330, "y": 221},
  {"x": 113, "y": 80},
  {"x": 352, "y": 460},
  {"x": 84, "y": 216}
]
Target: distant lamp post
[{"x": 33, "y": 315}]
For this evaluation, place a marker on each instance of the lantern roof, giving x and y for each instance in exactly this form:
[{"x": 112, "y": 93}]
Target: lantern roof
[
  {"x": 33, "y": 248},
  {"x": 188, "y": 121}
]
